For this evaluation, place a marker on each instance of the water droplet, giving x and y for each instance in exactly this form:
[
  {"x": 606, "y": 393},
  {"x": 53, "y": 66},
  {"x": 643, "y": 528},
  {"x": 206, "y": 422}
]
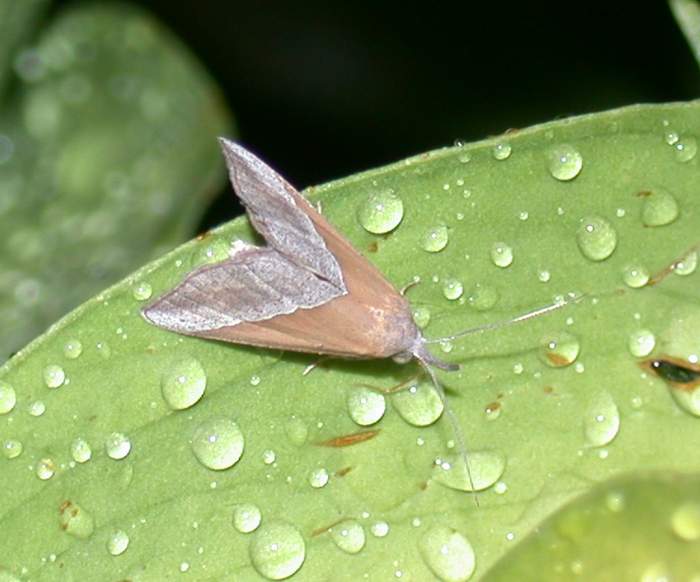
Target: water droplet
[
  {"x": 381, "y": 212},
  {"x": 523, "y": 215},
  {"x": 596, "y": 238},
  {"x": 452, "y": 289},
  {"x": 379, "y": 529},
  {"x": 183, "y": 383},
  {"x": 687, "y": 265},
  {"x": 685, "y": 149},
  {"x": 482, "y": 297},
  {"x": 45, "y": 469},
  {"x": 435, "y": 239},
  {"x": 656, "y": 572},
  {"x": 349, "y": 536},
  {"x": 615, "y": 501},
  {"x": 366, "y": 406},
  {"x": 80, "y": 450},
  {"x": 117, "y": 446},
  {"x": 36, "y": 408},
  {"x": 486, "y": 468},
  {"x": 277, "y": 550},
  {"x": 559, "y": 350},
  {"x": 564, "y": 162},
  {"x": 502, "y": 150},
  {"x": 103, "y": 349},
  {"x": 641, "y": 343},
  {"x": 502, "y": 254},
  {"x": 601, "y": 421},
  {"x": 671, "y": 137},
  {"x": 500, "y": 488},
  {"x": 685, "y": 521},
  {"x": 419, "y": 404},
  {"x": 8, "y": 398},
  {"x": 218, "y": 443},
  {"x": 659, "y": 207},
  {"x": 318, "y": 478},
  {"x": 75, "y": 521},
  {"x": 254, "y": 380},
  {"x": 12, "y": 448},
  {"x": 269, "y": 456},
  {"x": 142, "y": 291},
  {"x": 447, "y": 553},
  {"x": 421, "y": 316},
  {"x": 246, "y": 517},
  {"x": 544, "y": 276},
  {"x": 72, "y": 349},
  {"x": 493, "y": 410},
  {"x": 216, "y": 251},
  {"x": 635, "y": 276},
  {"x": 117, "y": 542},
  {"x": 54, "y": 376}
]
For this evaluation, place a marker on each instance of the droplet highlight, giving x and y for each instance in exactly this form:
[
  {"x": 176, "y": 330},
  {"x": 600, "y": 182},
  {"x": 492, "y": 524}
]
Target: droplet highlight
[
  {"x": 73, "y": 349},
  {"x": 80, "y": 450},
  {"x": 501, "y": 151},
  {"x": 452, "y": 289},
  {"x": 142, "y": 291},
  {"x": 117, "y": 542}
]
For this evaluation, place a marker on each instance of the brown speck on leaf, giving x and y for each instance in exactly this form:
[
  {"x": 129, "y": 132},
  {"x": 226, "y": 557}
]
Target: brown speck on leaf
[
  {"x": 663, "y": 273},
  {"x": 326, "y": 528},
  {"x": 349, "y": 439},
  {"x": 372, "y": 247},
  {"x": 644, "y": 193},
  {"x": 548, "y": 390},
  {"x": 493, "y": 407},
  {"x": 342, "y": 472},
  {"x": 64, "y": 505},
  {"x": 557, "y": 359}
]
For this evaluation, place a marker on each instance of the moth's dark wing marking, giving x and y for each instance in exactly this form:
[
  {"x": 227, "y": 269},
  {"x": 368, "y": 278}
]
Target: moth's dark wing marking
[
  {"x": 277, "y": 212},
  {"x": 255, "y": 284}
]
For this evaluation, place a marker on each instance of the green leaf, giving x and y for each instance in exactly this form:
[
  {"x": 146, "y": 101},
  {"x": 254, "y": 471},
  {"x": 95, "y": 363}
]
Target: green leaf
[
  {"x": 108, "y": 158},
  {"x": 550, "y": 406}
]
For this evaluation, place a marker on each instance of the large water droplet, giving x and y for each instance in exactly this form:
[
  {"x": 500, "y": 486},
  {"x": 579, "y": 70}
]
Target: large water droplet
[
  {"x": 117, "y": 542},
  {"x": 54, "y": 376},
  {"x": 502, "y": 150},
  {"x": 452, "y": 289},
  {"x": 12, "y": 448},
  {"x": 435, "y": 239},
  {"x": 75, "y": 521},
  {"x": 559, "y": 350},
  {"x": 246, "y": 517},
  {"x": 447, "y": 553},
  {"x": 183, "y": 383},
  {"x": 486, "y": 468},
  {"x": 596, "y": 238},
  {"x": 381, "y": 212},
  {"x": 601, "y": 421},
  {"x": 685, "y": 149},
  {"x": 502, "y": 254},
  {"x": 318, "y": 478},
  {"x": 117, "y": 446},
  {"x": 80, "y": 450},
  {"x": 366, "y": 406},
  {"x": 45, "y": 469},
  {"x": 421, "y": 316},
  {"x": 349, "y": 536},
  {"x": 419, "y": 404},
  {"x": 142, "y": 291},
  {"x": 659, "y": 207},
  {"x": 277, "y": 550},
  {"x": 72, "y": 349},
  {"x": 641, "y": 343},
  {"x": 685, "y": 521},
  {"x": 564, "y": 162},
  {"x": 218, "y": 443},
  {"x": 8, "y": 398},
  {"x": 635, "y": 276},
  {"x": 687, "y": 265}
]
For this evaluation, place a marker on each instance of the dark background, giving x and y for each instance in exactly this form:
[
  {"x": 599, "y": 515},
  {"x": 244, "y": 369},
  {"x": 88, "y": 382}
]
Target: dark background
[{"x": 325, "y": 89}]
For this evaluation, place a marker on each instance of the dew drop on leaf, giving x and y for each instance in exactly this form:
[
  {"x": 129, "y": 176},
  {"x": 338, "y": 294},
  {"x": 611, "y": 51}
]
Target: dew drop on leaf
[
  {"x": 559, "y": 350},
  {"x": 596, "y": 238},
  {"x": 54, "y": 376},
  {"x": 117, "y": 542},
  {"x": 502, "y": 254},
  {"x": 421, "y": 316},
  {"x": 381, "y": 212},
  {"x": 80, "y": 450},
  {"x": 142, "y": 291},
  {"x": 435, "y": 239},
  {"x": 277, "y": 550},
  {"x": 318, "y": 478},
  {"x": 452, "y": 289},
  {"x": 218, "y": 443},
  {"x": 501, "y": 151},
  {"x": 685, "y": 149},
  {"x": 659, "y": 207},
  {"x": 45, "y": 469},
  {"x": 365, "y": 406},
  {"x": 8, "y": 398},
  {"x": 486, "y": 468},
  {"x": 601, "y": 421},
  {"x": 447, "y": 553},
  {"x": 685, "y": 521},
  {"x": 183, "y": 383},
  {"x": 419, "y": 404},
  {"x": 564, "y": 162},
  {"x": 72, "y": 349},
  {"x": 635, "y": 276},
  {"x": 349, "y": 536},
  {"x": 117, "y": 446},
  {"x": 687, "y": 265},
  {"x": 641, "y": 343},
  {"x": 12, "y": 448},
  {"x": 246, "y": 517}
]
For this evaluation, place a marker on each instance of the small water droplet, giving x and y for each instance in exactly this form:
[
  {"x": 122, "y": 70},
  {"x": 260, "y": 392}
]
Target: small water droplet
[
  {"x": 452, "y": 289},
  {"x": 365, "y": 406},
  {"x": 117, "y": 446},
  {"x": 502, "y": 150},
  {"x": 502, "y": 254},
  {"x": 246, "y": 517},
  {"x": 8, "y": 398},
  {"x": 559, "y": 350},
  {"x": 596, "y": 238},
  {"x": 671, "y": 137},
  {"x": 142, "y": 291},
  {"x": 269, "y": 456},
  {"x": 379, "y": 529},
  {"x": 254, "y": 380},
  {"x": 277, "y": 550},
  {"x": 601, "y": 421},
  {"x": 80, "y": 450},
  {"x": 482, "y": 297},
  {"x": 419, "y": 404},
  {"x": 615, "y": 501},
  {"x": 544, "y": 276},
  {"x": 641, "y": 343},
  {"x": 349, "y": 536},
  {"x": 421, "y": 316},
  {"x": 216, "y": 251},
  {"x": 685, "y": 149},
  {"x": 72, "y": 349},
  {"x": 446, "y": 346},
  {"x": 381, "y": 212},
  {"x": 493, "y": 410},
  {"x": 75, "y": 521},
  {"x": 523, "y": 215},
  {"x": 12, "y": 448},
  {"x": 447, "y": 553},
  {"x": 36, "y": 408},
  {"x": 103, "y": 349},
  {"x": 635, "y": 276},
  {"x": 564, "y": 162},
  {"x": 486, "y": 468},
  {"x": 318, "y": 478},
  {"x": 500, "y": 488},
  {"x": 685, "y": 521},
  {"x": 45, "y": 469},
  {"x": 659, "y": 207},
  {"x": 54, "y": 376},
  {"x": 183, "y": 383},
  {"x": 435, "y": 239},
  {"x": 117, "y": 542},
  {"x": 687, "y": 265},
  {"x": 218, "y": 443}
]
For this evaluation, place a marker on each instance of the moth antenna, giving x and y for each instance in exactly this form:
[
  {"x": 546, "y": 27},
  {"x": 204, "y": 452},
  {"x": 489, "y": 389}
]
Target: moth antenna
[
  {"x": 456, "y": 429},
  {"x": 506, "y": 322}
]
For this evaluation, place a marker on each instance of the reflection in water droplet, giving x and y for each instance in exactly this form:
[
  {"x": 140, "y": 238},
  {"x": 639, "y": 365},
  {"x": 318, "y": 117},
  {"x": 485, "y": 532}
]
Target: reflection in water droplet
[
  {"x": 502, "y": 254},
  {"x": 80, "y": 450},
  {"x": 564, "y": 162},
  {"x": 659, "y": 207},
  {"x": 349, "y": 536},
  {"x": 601, "y": 421},
  {"x": 685, "y": 521},
  {"x": 641, "y": 343},
  {"x": 12, "y": 448},
  {"x": 419, "y": 404},
  {"x": 502, "y": 150},
  {"x": 246, "y": 517},
  {"x": 117, "y": 542},
  {"x": 183, "y": 383},
  {"x": 142, "y": 291},
  {"x": 75, "y": 521},
  {"x": 635, "y": 276},
  {"x": 435, "y": 239},
  {"x": 318, "y": 478},
  {"x": 482, "y": 297},
  {"x": 277, "y": 550},
  {"x": 421, "y": 316},
  {"x": 379, "y": 529},
  {"x": 72, "y": 349},
  {"x": 8, "y": 398},
  {"x": 559, "y": 350},
  {"x": 218, "y": 443},
  {"x": 452, "y": 289},
  {"x": 596, "y": 238},
  {"x": 685, "y": 149},
  {"x": 365, "y": 406},
  {"x": 117, "y": 446},
  {"x": 447, "y": 553},
  {"x": 687, "y": 265},
  {"x": 381, "y": 212},
  {"x": 45, "y": 469},
  {"x": 486, "y": 468},
  {"x": 54, "y": 376}
]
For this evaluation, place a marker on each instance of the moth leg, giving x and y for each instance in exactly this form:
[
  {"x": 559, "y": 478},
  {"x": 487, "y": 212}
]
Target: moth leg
[
  {"x": 391, "y": 389},
  {"x": 314, "y": 364}
]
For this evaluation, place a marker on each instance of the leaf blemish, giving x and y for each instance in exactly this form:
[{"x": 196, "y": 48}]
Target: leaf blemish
[{"x": 349, "y": 439}]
